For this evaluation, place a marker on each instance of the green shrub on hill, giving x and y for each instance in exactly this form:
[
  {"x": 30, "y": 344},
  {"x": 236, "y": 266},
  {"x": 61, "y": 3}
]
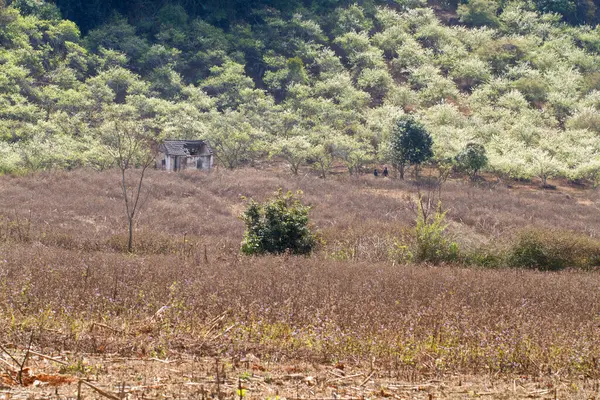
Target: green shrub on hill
[
  {"x": 553, "y": 250},
  {"x": 277, "y": 226}
]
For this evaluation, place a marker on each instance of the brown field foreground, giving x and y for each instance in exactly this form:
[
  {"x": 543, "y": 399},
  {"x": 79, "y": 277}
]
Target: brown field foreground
[{"x": 350, "y": 321}]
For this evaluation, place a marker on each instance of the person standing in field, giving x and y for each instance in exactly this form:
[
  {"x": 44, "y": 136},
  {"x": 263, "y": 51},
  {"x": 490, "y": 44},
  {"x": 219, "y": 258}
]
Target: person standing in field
[{"x": 385, "y": 172}]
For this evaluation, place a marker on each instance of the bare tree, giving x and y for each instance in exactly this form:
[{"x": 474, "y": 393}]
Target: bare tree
[{"x": 131, "y": 146}]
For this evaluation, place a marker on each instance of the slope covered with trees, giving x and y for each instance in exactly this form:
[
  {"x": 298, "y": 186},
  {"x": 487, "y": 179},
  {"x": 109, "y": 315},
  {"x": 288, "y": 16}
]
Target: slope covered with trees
[{"x": 312, "y": 82}]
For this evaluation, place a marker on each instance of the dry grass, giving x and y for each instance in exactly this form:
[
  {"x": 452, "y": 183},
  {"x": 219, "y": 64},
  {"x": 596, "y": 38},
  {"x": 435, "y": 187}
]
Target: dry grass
[
  {"x": 188, "y": 377},
  {"x": 64, "y": 276}
]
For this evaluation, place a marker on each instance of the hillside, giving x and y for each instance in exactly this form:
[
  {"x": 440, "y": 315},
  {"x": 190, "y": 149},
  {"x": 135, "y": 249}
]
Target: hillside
[{"x": 314, "y": 82}]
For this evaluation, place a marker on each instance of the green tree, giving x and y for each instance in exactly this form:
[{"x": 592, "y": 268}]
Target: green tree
[
  {"x": 41, "y": 9},
  {"x": 351, "y": 19},
  {"x": 410, "y": 143},
  {"x": 566, "y": 8},
  {"x": 235, "y": 140},
  {"x": 321, "y": 158},
  {"x": 295, "y": 150},
  {"x": 226, "y": 83},
  {"x": 534, "y": 90},
  {"x": 376, "y": 82},
  {"x": 172, "y": 15},
  {"x": 479, "y": 13},
  {"x": 280, "y": 224},
  {"x": 118, "y": 34},
  {"x": 470, "y": 72},
  {"x": 544, "y": 165},
  {"x": 572, "y": 11},
  {"x": 472, "y": 159},
  {"x": 353, "y": 153}
]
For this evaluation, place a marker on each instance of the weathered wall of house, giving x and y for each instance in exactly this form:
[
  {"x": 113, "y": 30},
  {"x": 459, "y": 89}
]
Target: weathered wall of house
[
  {"x": 164, "y": 162},
  {"x": 190, "y": 162},
  {"x": 202, "y": 160},
  {"x": 208, "y": 161},
  {"x": 161, "y": 160}
]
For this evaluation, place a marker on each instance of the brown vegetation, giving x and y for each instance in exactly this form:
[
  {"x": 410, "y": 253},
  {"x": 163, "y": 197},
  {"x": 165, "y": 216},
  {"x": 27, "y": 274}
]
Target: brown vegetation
[{"x": 65, "y": 275}]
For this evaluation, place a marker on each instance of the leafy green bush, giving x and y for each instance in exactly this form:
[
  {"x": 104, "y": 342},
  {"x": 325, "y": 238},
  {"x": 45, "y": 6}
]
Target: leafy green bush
[
  {"x": 41, "y": 9},
  {"x": 472, "y": 159},
  {"x": 428, "y": 241},
  {"x": 431, "y": 241},
  {"x": 470, "y": 72},
  {"x": 553, "y": 250},
  {"x": 479, "y": 13},
  {"x": 534, "y": 90},
  {"x": 10, "y": 160},
  {"x": 572, "y": 11},
  {"x": 486, "y": 257},
  {"x": 278, "y": 225},
  {"x": 502, "y": 54}
]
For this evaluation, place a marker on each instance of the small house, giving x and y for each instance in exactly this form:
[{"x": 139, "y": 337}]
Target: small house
[{"x": 176, "y": 155}]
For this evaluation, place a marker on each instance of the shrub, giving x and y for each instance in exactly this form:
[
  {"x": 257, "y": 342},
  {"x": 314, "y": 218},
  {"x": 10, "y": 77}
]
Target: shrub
[
  {"x": 502, "y": 54},
  {"x": 376, "y": 82},
  {"x": 486, "y": 257},
  {"x": 278, "y": 225},
  {"x": 470, "y": 72},
  {"x": 428, "y": 241},
  {"x": 472, "y": 159},
  {"x": 10, "y": 160},
  {"x": 586, "y": 118},
  {"x": 431, "y": 241},
  {"x": 534, "y": 90},
  {"x": 40, "y": 9},
  {"x": 479, "y": 13},
  {"x": 553, "y": 250},
  {"x": 172, "y": 15}
]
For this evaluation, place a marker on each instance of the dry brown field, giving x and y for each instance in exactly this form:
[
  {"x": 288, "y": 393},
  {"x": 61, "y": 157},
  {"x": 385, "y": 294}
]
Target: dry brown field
[{"x": 187, "y": 316}]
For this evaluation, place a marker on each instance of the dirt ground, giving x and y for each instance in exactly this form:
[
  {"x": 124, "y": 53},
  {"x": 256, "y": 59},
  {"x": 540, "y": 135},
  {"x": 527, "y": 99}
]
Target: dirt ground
[{"x": 185, "y": 377}]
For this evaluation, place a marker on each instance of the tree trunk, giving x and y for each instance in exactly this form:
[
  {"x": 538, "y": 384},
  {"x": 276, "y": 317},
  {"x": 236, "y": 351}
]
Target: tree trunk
[
  {"x": 130, "y": 241},
  {"x": 294, "y": 167}
]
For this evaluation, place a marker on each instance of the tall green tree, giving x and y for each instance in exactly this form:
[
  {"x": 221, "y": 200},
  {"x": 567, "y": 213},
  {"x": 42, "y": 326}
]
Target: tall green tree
[{"x": 410, "y": 144}]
